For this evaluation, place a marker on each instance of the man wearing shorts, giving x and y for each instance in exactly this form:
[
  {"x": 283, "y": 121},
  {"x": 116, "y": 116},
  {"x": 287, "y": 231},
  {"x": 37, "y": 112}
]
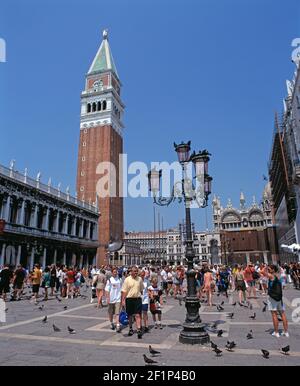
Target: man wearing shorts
[
  {"x": 132, "y": 291},
  {"x": 113, "y": 296}
]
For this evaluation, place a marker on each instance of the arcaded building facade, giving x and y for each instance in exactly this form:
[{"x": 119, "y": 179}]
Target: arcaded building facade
[{"x": 41, "y": 224}]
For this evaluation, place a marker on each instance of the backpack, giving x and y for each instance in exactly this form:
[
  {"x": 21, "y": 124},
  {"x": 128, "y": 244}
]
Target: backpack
[{"x": 275, "y": 290}]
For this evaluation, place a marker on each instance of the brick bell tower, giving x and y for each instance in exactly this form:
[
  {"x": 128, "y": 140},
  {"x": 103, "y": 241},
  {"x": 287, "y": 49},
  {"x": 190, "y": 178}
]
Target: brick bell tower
[{"x": 101, "y": 141}]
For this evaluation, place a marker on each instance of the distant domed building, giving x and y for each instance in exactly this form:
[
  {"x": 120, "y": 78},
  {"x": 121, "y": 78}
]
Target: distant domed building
[
  {"x": 247, "y": 233},
  {"x": 253, "y": 216}
]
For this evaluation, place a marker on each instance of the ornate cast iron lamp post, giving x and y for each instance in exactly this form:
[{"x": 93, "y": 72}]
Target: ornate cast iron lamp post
[{"x": 193, "y": 329}]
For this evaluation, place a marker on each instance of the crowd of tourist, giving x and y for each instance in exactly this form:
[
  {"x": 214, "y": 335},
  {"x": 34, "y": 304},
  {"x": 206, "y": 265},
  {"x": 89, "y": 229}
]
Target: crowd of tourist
[{"x": 139, "y": 290}]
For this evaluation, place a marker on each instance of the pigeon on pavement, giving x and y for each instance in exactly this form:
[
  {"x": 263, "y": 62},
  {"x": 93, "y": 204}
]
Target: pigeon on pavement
[
  {"x": 153, "y": 352},
  {"x": 149, "y": 361},
  {"x": 55, "y": 328},
  {"x": 218, "y": 352},
  {"x": 285, "y": 350},
  {"x": 250, "y": 335},
  {"x": 265, "y": 353},
  {"x": 71, "y": 330},
  {"x": 230, "y": 346}
]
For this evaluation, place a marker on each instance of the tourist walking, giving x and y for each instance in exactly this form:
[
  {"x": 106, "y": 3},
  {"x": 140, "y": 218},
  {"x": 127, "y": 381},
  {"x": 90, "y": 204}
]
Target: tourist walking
[
  {"x": 36, "y": 281},
  {"x": 156, "y": 303},
  {"x": 240, "y": 284},
  {"x": 99, "y": 283},
  {"x": 18, "y": 282},
  {"x": 132, "y": 291},
  {"x": 46, "y": 282},
  {"x": 53, "y": 279},
  {"x": 113, "y": 296},
  {"x": 223, "y": 281},
  {"x": 275, "y": 300},
  {"x": 209, "y": 285},
  {"x": 6, "y": 276},
  {"x": 145, "y": 301},
  {"x": 249, "y": 275}
]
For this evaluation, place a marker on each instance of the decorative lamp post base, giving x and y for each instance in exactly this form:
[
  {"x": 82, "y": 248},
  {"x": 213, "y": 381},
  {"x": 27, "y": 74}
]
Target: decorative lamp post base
[{"x": 194, "y": 333}]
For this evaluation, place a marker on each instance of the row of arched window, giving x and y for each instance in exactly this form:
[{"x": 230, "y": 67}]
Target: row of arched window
[{"x": 96, "y": 106}]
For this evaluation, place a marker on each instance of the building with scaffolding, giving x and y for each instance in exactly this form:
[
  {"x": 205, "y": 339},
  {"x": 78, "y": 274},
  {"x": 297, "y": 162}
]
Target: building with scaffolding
[{"x": 284, "y": 168}]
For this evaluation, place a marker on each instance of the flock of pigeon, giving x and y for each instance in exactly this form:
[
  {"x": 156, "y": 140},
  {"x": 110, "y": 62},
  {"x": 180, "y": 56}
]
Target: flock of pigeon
[
  {"x": 55, "y": 328},
  {"x": 148, "y": 361},
  {"x": 231, "y": 345}
]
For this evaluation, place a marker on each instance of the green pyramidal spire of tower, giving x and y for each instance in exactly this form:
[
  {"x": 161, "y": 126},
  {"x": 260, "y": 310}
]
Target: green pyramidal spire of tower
[{"x": 103, "y": 60}]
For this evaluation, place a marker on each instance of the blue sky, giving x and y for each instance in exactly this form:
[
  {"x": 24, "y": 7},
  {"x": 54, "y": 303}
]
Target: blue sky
[{"x": 212, "y": 71}]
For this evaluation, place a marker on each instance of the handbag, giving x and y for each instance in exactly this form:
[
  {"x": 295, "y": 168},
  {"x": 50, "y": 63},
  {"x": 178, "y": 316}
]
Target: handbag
[{"x": 123, "y": 317}]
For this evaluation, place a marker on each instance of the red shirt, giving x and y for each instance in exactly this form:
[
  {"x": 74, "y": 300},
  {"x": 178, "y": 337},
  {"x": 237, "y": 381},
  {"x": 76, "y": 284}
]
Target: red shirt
[
  {"x": 70, "y": 277},
  {"x": 248, "y": 274}
]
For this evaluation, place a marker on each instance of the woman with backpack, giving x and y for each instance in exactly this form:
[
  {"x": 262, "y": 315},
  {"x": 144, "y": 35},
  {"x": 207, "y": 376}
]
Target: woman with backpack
[
  {"x": 223, "y": 281},
  {"x": 275, "y": 301}
]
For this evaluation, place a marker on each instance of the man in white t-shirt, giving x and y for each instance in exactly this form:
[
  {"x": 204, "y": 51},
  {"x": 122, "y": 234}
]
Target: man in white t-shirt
[
  {"x": 164, "y": 280},
  {"x": 113, "y": 296}
]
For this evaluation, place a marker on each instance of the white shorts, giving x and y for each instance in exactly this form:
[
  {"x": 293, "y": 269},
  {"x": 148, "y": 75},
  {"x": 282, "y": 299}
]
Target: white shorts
[{"x": 274, "y": 305}]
